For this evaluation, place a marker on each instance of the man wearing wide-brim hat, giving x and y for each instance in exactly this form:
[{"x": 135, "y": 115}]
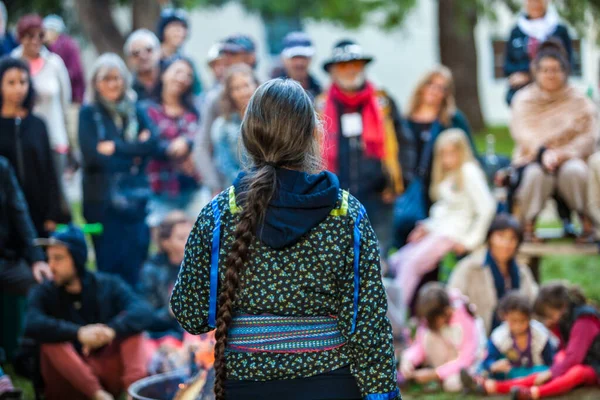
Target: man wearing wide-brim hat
[{"x": 362, "y": 134}]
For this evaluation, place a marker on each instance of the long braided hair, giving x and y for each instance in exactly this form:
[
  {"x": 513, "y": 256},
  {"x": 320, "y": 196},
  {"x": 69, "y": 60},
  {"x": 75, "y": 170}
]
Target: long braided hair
[{"x": 280, "y": 130}]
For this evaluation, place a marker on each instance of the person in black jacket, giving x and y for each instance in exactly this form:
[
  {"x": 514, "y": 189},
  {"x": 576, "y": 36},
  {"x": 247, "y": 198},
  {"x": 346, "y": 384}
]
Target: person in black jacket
[
  {"x": 116, "y": 140},
  {"x": 538, "y": 23},
  {"x": 24, "y": 142},
  {"x": 88, "y": 325}
]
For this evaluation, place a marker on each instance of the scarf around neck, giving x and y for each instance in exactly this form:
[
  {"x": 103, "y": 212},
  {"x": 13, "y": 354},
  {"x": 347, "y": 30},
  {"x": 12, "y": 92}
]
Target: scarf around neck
[
  {"x": 373, "y": 134},
  {"x": 539, "y": 28},
  {"x": 513, "y": 271},
  {"x": 124, "y": 115}
]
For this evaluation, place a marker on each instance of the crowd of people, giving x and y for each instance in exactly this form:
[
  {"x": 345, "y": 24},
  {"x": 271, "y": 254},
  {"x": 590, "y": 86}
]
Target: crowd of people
[{"x": 154, "y": 144}]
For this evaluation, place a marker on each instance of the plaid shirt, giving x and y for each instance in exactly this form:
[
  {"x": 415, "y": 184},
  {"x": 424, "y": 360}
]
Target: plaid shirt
[{"x": 166, "y": 176}]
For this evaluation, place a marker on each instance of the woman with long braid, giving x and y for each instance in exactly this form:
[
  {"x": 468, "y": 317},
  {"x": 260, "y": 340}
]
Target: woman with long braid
[{"x": 285, "y": 266}]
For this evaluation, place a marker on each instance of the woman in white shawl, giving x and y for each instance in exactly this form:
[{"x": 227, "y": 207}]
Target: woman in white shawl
[
  {"x": 555, "y": 128},
  {"x": 537, "y": 23}
]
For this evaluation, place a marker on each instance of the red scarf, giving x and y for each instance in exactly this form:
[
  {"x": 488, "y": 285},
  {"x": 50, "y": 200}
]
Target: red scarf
[{"x": 373, "y": 135}]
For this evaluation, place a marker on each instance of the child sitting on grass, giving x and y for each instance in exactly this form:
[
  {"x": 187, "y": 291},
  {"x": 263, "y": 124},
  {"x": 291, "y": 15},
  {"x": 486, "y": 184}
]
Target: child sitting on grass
[
  {"x": 577, "y": 323},
  {"x": 520, "y": 346},
  {"x": 449, "y": 339}
]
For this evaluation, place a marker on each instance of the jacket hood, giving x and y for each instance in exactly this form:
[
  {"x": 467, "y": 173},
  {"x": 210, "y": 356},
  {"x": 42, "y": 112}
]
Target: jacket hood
[{"x": 301, "y": 202}]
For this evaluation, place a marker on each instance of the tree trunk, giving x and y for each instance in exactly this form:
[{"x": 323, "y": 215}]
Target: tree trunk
[
  {"x": 458, "y": 52},
  {"x": 145, "y": 14},
  {"x": 96, "y": 20}
]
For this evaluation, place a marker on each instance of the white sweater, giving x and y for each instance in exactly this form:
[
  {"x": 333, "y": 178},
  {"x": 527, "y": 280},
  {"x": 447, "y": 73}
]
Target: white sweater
[
  {"x": 463, "y": 215},
  {"x": 53, "y": 96}
]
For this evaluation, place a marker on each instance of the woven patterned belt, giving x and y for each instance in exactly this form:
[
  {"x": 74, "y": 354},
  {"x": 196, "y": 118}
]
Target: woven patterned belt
[{"x": 282, "y": 334}]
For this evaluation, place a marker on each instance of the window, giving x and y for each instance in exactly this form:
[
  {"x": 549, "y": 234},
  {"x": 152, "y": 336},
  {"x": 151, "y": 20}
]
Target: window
[{"x": 499, "y": 47}]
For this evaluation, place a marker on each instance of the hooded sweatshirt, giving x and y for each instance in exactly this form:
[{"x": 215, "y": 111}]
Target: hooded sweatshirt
[
  {"x": 302, "y": 263},
  {"x": 300, "y": 202}
]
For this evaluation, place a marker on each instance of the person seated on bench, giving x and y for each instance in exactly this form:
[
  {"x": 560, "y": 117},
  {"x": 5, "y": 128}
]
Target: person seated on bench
[
  {"x": 460, "y": 216},
  {"x": 555, "y": 128},
  {"x": 495, "y": 271},
  {"x": 88, "y": 325}
]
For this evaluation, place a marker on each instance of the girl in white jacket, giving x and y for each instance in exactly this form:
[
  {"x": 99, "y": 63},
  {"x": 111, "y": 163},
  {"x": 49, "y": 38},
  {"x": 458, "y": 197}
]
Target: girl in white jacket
[{"x": 458, "y": 220}]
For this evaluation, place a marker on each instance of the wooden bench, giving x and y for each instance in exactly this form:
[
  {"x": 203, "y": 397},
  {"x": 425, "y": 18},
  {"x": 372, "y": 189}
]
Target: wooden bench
[{"x": 532, "y": 253}]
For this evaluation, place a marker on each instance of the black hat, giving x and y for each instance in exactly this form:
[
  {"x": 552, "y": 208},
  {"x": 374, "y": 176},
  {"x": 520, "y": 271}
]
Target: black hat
[
  {"x": 167, "y": 16},
  {"x": 238, "y": 44},
  {"x": 344, "y": 51},
  {"x": 73, "y": 239}
]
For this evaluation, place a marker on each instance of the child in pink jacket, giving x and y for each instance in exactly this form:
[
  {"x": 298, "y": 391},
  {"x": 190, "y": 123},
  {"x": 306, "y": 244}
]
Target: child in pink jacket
[{"x": 449, "y": 339}]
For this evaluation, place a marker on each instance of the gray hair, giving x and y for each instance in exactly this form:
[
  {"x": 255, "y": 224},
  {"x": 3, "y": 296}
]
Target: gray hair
[
  {"x": 140, "y": 34},
  {"x": 105, "y": 63}
]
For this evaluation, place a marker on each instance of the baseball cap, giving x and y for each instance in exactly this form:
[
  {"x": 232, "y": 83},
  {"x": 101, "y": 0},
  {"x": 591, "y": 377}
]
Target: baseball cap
[
  {"x": 297, "y": 44},
  {"x": 238, "y": 43}
]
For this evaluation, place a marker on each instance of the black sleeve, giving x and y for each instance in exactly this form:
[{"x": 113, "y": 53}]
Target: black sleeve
[
  {"x": 53, "y": 190},
  {"x": 405, "y": 142},
  {"x": 511, "y": 63},
  {"x": 134, "y": 314},
  {"x": 42, "y": 327},
  {"x": 18, "y": 212},
  {"x": 88, "y": 140}
]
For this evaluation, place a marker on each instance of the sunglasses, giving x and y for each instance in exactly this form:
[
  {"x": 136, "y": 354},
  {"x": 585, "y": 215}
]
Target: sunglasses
[{"x": 138, "y": 52}]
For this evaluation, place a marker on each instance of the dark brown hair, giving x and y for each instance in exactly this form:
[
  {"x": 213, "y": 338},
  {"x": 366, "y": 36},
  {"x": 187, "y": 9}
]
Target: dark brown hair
[
  {"x": 557, "y": 296},
  {"x": 552, "y": 48},
  {"x": 279, "y": 130},
  {"x": 171, "y": 220},
  {"x": 228, "y": 106},
  {"x": 432, "y": 302},
  {"x": 515, "y": 301},
  {"x": 505, "y": 221}
]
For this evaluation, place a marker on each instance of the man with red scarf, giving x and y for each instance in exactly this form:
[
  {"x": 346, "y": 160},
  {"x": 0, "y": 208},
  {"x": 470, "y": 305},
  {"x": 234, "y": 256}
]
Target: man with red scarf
[{"x": 362, "y": 134}]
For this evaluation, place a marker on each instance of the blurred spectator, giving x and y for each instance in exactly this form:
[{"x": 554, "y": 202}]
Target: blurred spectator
[
  {"x": 216, "y": 63},
  {"x": 567, "y": 313},
  {"x": 361, "y": 135},
  {"x": 21, "y": 264},
  {"x": 170, "y": 343},
  {"x": 51, "y": 84},
  {"x": 172, "y": 32},
  {"x": 24, "y": 142},
  {"x": 555, "y": 128},
  {"x": 520, "y": 346},
  {"x": 240, "y": 84},
  {"x": 88, "y": 325},
  {"x": 538, "y": 22},
  {"x": 66, "y": 47},
  {"x": 460, "y": 216},
  {"x": 297, "y": 54},
  {"x": 116, "y": 140},
  {"x": 593, "y": 194},
  {"x": 159, "y": 273},
  {"x": 236, "y": 49},
  {"x": 495, "y": 270},
  {"x": 448, "y": 339},
  {"x": 142, "y": 50},
  {"x": 432, "y": 108},
  {"x": 7, "y": 40},
  {"x": 172, "y": 174}
]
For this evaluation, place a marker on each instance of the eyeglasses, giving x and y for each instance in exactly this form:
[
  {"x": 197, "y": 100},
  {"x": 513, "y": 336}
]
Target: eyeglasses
[
  {"x": 138, "y": 52},
  {"x": 39, "y": 35}
]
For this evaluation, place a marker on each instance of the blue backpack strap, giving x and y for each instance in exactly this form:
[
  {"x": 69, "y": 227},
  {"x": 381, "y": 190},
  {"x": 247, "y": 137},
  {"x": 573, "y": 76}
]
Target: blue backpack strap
[
  {"x": 357, "y": 236},
  {"x": 214, "y": 264}
]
